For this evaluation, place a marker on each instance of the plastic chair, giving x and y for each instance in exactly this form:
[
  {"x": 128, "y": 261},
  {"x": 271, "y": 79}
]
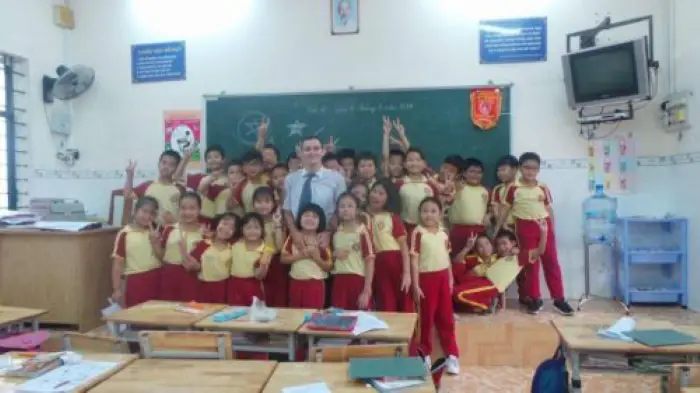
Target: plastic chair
[{"x": 186, "y": 345}]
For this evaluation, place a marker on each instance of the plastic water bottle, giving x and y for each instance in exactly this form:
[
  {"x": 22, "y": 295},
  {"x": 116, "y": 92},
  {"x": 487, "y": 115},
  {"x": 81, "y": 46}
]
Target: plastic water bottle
[{"x": 599, "y": 217}]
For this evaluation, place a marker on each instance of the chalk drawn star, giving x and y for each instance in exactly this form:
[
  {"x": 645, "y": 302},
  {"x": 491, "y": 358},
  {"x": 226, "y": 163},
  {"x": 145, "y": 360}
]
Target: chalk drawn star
[
  {"x": 296, "y": 128},
  {"x": 252, "y": 128}
]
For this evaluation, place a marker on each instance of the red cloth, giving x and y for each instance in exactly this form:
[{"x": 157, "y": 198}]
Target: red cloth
[
  {"x": 475, "y": 292},
  {"x": 307, "y": 294},
  {"x": 276, "y": 283},
  {"x": 142, "y": 287},
  {"x": 528, "y": 233},
  {"x": 346, "y": 291},
  {"x": 388, "y": 270},
  {"x": 178, "y": 284},
  {"x": 212, "y": 292},
  {"x": 459, "y": 234},
  {"x": 435, "y": 310},
  {"x": 242, "y": 290},
  {"x": 409, "y": 228}
]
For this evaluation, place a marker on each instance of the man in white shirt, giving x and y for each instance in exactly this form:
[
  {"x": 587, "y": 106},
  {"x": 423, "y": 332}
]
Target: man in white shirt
[{"x": 312, "y": 184}]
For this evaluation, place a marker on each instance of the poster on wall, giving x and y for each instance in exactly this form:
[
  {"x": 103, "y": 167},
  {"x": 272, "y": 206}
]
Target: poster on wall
[
  {"x": 159, "y": 62},
  {"x": 183, "y": 133},
  {"x": 612, "y": 162},
  {"x": 513, "y": 40}
]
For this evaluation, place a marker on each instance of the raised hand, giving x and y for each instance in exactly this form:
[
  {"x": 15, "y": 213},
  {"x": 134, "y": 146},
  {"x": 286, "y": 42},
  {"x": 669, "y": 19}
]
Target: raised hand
[
  {"x": 131, "y": 167},
  {"x": 386, "y": 125},
  {"x": 471, "y": 241},
  {"x": 263, "y": 127},
  {"x": 399, "y": 127},
  {"x": 330, "y": 146},
  {"x": 277, "y": 218},
  {"x": 154, "y": 235}
]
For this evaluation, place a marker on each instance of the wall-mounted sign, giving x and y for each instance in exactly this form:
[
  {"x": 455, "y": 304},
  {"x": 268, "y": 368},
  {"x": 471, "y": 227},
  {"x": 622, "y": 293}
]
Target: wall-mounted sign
[
  {"x": 513, "y": 40},
  {"x": 159, "y": 62}
]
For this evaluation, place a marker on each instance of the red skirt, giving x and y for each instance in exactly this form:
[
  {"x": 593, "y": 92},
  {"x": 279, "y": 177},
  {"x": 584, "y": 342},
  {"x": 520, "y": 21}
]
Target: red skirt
[
  {"x": 212, "y": 291},
  {"x": 346, "y": 291},
  {"x": 307, "y": 293},
  {"x": 276, "y": 283},
  {"x": 460, "y": 233},
  {"x": 142, "y": 287},
  {"x": 241, "y": 291},
  {"x": 388, "y": 270},
  {"x": 178, "y": 284}
]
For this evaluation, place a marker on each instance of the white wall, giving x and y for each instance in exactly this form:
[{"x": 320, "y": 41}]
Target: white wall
[
  {"x": 686, "y": 188},
  {"x": 266, "y": 46}
]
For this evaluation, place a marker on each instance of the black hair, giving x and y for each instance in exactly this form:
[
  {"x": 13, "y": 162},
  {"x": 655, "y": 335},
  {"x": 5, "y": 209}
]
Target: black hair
[
  {"x": 507, "y": 234},
  {"x": 393, "y": 200},
  {"x": 279, "y": 165},
  {"x": 251, "y": 156},
  {"x": 292, "y": 156},
  {"x": 417, "y": 151},
  {"x": 473, "y": 162},
  {"x": 348, "y": 194},
  {"x": 144, "y": 201},
  {"x": 360, "y": 184},
  {"x": 215, "y": 149},
  {"x": 234, "y": 162},
  {"x": 507, "y": 160},
  {"x": 265, "y": 191},
  {"x": 192, "y": 195},
  {"x": 314, "y": 208},
  {"x": 430, "y": 199},
  {"x": 329, "y": 157},
  {"x": 273, "y": 148},
  {"x": 171, "y": 153},
  {"x": 311, "y": 138},
  {"x": 529, "y": 156},
  {"x": 366, "y": 156},
  {"x": 454, "y": 160},
  {"x": 346, "y": 153},
  {"x": 226, "y": 216},
  {"x": 397, "y": 153},
  {"x": 248, "y": 217}
]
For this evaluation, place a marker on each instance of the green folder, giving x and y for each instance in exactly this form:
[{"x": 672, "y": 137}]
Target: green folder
[
  {"x": 371, "y": 368},
  {"x": 661, "y": 337}
]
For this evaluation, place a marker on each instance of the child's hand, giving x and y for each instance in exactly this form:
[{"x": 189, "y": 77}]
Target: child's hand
[
  {"x": 342, "y": 254},
  {"x": 363, "y": 300},
  {"x": 206, "y": 231},
  {"x": 263, "y": 127},
  {"x": 470, "y": 242},
  {"x": 131, "y": 167},
  {"x": 315, "y": 254},
  {"x": 277, "y": 218},
  {"x": 405, "y": 283},
  {"x": 154, "y": 236},
  {"x": 324, "y": 239},
  {"x": 399, "y": 127},
  {"x": 514, "y": 251},
  {"x": 487, "y": 220},
  {"x": 543, "y": 225},
  {"x": 168, "y": 218},
  {"x": 386, "y": 125},
  {"x": 330, "y": 146},
  {"x": 117, "y": 296},
  {"x": 417, "y": 293}
]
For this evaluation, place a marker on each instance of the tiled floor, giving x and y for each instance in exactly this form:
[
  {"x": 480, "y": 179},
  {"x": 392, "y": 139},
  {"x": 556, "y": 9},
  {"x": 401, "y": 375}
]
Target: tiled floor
[{"x": 500, "y": 352}]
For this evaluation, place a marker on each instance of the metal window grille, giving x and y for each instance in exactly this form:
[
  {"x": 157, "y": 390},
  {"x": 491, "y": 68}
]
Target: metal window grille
[{"x": 14, "y": 154}]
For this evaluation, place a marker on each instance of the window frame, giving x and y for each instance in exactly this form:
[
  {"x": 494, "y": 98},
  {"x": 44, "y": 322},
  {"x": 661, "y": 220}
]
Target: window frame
[{"x": 10, "y": 130}]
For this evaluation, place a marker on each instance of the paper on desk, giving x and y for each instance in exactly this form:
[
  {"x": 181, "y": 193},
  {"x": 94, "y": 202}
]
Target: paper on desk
[
  {"x": 66, "y": 226},
  {"x": 366, "y": 322},
  {"x": 618, "y": 329},
  {"x": 66, "y": 378},
  {"x": 318, "y": 387}
]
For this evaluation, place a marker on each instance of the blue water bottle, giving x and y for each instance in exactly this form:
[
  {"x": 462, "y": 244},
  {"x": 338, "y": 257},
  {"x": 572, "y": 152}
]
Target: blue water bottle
[{"x": 599, "y": 217}]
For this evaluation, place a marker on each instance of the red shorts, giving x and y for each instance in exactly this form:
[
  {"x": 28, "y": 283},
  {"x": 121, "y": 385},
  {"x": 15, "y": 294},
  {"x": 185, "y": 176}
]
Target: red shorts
[
  {"x": 142, "y": 287},
  {"x": 178, "y": 284},
  {"x": 242, "y": 290},
  {"x": 212, "y": 291}
]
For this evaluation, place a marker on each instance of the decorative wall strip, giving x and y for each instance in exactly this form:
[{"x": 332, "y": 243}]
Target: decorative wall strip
[{"x": 549, "y": 164}]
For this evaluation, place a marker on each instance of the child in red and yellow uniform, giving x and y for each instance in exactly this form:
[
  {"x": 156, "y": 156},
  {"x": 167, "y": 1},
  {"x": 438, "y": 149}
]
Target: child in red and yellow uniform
[
  {"x": 277, "y": 175},
  {"x": 311, "y": 265},
  {"x": 276, "y": 281},
  {"x": 469, "y": 215},
  {"x": 179, "y": 278},
  {"x": 225, "y": 200},
  {"x": 255, "y": 178},
  {"x": 213, "y": 258},
  {"x": 444, "y": 180},
  {"x": 250, "y": 261},
  {"x": 165, "y": 190},
  {"x": 393, "y": 159},
  {"x": 353, "y": 270},
  {"x": 529, "y": 202},
  {"x": 367, "y": 168},
  {"x": 414, "y": 188},
  {"x": 136, "y": 257},
  {"x": 506, "y": 171},
  {"x": 392, "y": 271},
  {"x": 433, "y": 282},
  {"x": 208, "y": 185}
]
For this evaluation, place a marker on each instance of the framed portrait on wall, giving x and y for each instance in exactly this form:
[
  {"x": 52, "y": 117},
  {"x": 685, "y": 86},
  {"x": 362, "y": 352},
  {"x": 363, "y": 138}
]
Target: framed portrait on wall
[{"x": 345, "y": 17}]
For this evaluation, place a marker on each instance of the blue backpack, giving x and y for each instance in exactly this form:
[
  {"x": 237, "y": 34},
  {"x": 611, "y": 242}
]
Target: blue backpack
[{"x": 552, "y": 376}]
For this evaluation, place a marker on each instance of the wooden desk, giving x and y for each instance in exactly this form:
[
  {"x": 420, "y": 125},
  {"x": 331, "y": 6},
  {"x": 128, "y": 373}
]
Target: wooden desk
[
  {"x": 335, "y": 375},
  {"x": 10, "y": 316},
  {"x": 210, "y": 376},
  {"x": 8, "y": 385},
  {"x": 286, "y": 323},
  {"x": 580, "y": 338},
  {"x": 160, "y": 314},
  {"x": 67, "y": 274},
  {"x": 690, "y": 390},
  {"x": 401, "y": 328}
]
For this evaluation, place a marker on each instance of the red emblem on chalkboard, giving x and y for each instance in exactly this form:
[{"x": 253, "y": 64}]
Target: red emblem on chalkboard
[{"x": 486, "y": 107}]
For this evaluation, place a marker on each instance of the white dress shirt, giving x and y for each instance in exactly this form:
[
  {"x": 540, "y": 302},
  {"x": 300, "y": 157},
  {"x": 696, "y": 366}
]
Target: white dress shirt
[{"x": 326, "y": 187}]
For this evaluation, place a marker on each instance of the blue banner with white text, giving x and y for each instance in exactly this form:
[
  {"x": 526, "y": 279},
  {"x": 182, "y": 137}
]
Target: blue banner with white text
[
  {"x": 513, "y": 40},
  {"x": 158, "y": 62}
]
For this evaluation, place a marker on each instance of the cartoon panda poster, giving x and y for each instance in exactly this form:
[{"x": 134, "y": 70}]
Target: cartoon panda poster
[{"x": 183, "y": 131}]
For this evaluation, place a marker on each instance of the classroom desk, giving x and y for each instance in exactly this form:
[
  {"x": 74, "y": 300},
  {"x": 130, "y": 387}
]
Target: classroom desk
[
  {"x": 401, "y": 328},
  {"x": 335, "y": 375},
  {"x": 286, "y": 324},
  {"x": 170, "y": 375},
  {"x": 11, "y": 316},
  {"x": 68, "y": 274},
  {"x": 8, "y": 385},
  {"x": 581, "y": 338},
  {"x": 690, "y": 390},
  {"x": 159, "y": 314}
]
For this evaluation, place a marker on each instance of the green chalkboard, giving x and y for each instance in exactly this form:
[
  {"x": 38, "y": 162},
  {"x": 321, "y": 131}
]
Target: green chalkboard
[{"x": 436, "y": 120}]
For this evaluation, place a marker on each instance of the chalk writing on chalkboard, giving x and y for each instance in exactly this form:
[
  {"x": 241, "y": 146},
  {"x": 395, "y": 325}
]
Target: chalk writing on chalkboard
[{"x": 247, "y": 130}]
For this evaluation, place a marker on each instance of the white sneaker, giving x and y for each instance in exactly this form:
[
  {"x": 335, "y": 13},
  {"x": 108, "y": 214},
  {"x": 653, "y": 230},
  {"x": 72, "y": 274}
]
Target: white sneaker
[
  {"x": 452, "y": 365},
  {"x": 427, "y": 362}
]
